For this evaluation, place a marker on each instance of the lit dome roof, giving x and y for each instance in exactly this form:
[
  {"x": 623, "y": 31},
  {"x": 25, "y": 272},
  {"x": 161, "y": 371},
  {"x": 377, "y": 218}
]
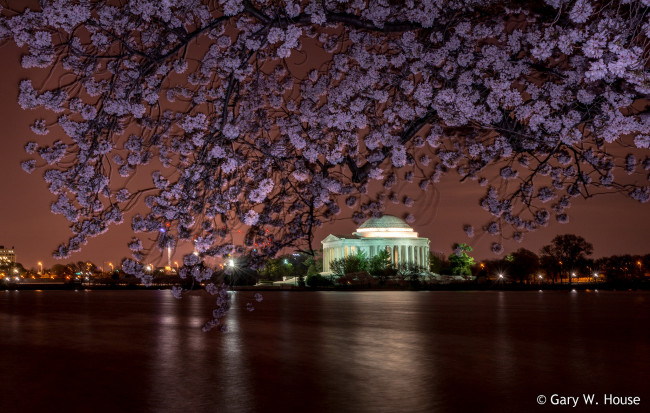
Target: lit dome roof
[
  {"x": 386, "y": 221},
  {"x": 387, "y": 226}
]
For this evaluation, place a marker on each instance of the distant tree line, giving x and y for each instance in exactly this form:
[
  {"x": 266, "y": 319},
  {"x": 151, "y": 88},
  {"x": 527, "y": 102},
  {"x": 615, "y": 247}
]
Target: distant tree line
[{"x": 565, "y": 260}]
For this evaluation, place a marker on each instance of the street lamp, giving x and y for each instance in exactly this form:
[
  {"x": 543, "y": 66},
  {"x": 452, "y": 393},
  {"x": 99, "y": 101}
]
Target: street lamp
[
  {"x": 111, "y": 264},
  {"x": 149, "y": 268},
  {"x": 41, "y": 264},
  {"x": 176, "y": 264}
]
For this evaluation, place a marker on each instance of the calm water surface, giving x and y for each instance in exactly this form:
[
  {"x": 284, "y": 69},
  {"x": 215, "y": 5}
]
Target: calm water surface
[{"x": 144, "y": 351}]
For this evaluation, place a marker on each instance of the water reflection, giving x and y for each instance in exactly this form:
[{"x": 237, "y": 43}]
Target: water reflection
[
  {"x": 318, "y": 351},
  {"x": 193, "y": 367}
]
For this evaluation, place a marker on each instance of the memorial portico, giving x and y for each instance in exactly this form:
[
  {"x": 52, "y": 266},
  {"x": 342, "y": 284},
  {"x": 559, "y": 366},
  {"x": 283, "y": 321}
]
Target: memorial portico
[{"x": 387, "y": 233}]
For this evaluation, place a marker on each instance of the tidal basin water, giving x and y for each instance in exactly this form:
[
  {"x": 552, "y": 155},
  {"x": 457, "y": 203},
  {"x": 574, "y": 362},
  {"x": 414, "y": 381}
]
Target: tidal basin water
[{"x": 144, "y": 351}]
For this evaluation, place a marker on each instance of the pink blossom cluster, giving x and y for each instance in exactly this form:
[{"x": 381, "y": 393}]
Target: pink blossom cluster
[{"x": 268, "y": 116}]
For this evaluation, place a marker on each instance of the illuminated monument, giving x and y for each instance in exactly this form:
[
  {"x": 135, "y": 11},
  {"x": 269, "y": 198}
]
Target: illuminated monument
[{"x": 387, "y": 233}]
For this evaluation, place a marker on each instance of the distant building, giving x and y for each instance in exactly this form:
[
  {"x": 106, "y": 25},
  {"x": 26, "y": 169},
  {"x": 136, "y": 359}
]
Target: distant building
[
  {"x": 7, "y": 256},
  {"x": 387, "y": 233}
]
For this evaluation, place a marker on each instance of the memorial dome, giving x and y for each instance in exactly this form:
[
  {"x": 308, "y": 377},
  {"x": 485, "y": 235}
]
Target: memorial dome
[{"x": 387, "y": 226}]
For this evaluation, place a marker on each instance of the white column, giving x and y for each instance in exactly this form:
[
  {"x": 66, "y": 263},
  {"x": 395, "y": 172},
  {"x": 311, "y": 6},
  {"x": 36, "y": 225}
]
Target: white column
[
  {"x": 327, "y": 257},
  {"x": 415, "y": 255},
  {"x": 396, "y": 255},
  {"x": 400, "y": 253}
]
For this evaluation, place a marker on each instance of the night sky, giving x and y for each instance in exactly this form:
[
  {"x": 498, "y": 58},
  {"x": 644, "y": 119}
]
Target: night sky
[{"x": 614, "y": 224}]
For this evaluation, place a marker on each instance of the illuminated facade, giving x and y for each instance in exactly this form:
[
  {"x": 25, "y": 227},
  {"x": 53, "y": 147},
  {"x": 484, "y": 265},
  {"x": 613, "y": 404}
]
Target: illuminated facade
[
  {"x": 7, "y": 256},
  {"x": 387, "y": 233}
]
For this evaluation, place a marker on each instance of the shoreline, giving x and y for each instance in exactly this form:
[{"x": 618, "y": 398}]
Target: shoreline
[{"x": 604, "y": 286}]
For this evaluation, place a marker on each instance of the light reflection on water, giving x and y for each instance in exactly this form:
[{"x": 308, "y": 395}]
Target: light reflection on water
[{"x": 144, "y": 351}]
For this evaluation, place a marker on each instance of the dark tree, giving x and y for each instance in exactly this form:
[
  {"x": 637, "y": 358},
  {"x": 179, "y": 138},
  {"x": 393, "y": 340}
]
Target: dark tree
[
  {"x": 524, "y": 264},
  {"x": 566, "y": 251},
  {"x": 379, "y": 266},
  {"x": 350, "y": 264},
  {"x": 621, "y": 267},
  {"x": 412, "y": 274},
  {"x": 314, "y": 263},
  {"x": 437, "y": 262}
]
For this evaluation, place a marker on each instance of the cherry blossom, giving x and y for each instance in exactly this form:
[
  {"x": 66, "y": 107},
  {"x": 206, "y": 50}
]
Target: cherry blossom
[{"x": 267, "y": 116}]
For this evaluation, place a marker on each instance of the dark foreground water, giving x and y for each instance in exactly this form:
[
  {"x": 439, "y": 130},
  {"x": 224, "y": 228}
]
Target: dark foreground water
[{"x": 144, "y": 351}]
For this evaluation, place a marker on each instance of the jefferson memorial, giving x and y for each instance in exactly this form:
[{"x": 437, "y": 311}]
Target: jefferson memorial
[{"x": 387, "y": 233}]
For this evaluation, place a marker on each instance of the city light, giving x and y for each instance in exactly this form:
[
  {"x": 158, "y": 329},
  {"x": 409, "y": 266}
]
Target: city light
[{"x": 231, "y": 263}]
